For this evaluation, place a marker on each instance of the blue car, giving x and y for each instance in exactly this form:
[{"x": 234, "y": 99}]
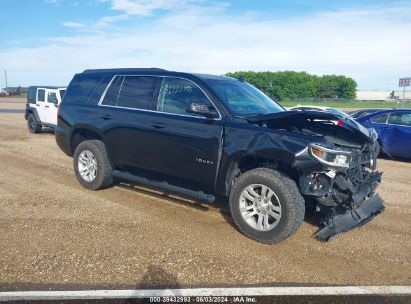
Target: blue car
[{"x": 394, "y": 130}]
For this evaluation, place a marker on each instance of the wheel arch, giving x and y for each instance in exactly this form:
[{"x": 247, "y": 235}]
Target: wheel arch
[
  {"x": 29, "y": 111},
  {"x": 84, "y": 132},
  {"x": 245, "y": 163}
]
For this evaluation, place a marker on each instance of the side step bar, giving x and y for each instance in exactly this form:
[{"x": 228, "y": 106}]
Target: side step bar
[{"x": 164, "y": 186}]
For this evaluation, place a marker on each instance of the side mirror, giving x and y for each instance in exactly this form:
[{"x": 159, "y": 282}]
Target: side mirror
[{"x": 200, "y": 108}]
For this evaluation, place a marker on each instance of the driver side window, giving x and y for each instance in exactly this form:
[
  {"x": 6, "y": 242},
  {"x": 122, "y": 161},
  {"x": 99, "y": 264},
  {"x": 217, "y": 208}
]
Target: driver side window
[{"x": 176, "y": 93}]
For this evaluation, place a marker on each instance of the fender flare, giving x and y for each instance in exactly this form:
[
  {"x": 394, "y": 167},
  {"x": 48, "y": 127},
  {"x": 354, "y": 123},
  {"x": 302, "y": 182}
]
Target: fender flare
[{"x": 30, "y": 110}]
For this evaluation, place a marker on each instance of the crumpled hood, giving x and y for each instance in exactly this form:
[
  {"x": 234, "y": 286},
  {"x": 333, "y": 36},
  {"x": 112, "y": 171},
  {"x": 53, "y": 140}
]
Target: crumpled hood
[{"x": 340, "y": 130}]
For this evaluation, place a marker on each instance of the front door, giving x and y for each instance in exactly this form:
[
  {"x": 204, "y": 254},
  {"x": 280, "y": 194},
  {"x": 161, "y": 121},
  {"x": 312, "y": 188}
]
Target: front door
[{"x": 187, "y": 145}]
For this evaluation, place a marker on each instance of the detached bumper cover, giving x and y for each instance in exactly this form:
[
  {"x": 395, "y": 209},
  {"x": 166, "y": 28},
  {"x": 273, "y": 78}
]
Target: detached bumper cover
[{"x": 365, "y": 212}]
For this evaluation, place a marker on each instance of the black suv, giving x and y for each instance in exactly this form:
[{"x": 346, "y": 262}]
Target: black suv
[{"x": 204, "y": 136}]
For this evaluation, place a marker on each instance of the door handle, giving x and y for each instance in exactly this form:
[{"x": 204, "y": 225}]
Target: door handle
[
  {"x": 157, "y": 125},
  {"x": 47, "y": 106},
  {"x": 37, "y": 105},
  {"x": 106, "y": 117}
]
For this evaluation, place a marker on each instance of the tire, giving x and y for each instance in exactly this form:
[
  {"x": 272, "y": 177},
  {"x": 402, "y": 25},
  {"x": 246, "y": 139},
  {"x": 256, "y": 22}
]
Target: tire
[
  {"x": 33, "y": 125},
  {"x": 102, "y": 177},
  {"x": 286, "y": 195}
]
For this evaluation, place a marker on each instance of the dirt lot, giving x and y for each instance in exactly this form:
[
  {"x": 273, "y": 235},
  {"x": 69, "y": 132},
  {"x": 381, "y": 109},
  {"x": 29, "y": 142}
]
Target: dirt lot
[{"x": 55, "y": 234}]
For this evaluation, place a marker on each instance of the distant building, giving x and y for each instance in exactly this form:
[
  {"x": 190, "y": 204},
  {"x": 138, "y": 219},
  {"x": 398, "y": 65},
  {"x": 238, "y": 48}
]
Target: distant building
[
  {"x": 16, "y": 90},
  {"x": 382, "y": 95}
]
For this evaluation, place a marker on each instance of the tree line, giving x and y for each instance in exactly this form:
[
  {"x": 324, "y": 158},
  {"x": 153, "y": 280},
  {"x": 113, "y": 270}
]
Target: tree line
[{"x": 289, "y": 84}]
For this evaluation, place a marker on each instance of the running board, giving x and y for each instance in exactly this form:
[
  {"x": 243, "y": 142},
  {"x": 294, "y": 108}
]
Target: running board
[{"x": 164, "y": 186}]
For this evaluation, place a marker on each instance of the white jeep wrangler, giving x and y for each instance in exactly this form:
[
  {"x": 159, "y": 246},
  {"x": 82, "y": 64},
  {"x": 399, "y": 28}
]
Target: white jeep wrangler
[{"x": 42, "y": 105}]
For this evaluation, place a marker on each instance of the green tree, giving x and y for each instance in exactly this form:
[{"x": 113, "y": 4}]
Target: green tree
[{"x": 290, "y": 84}]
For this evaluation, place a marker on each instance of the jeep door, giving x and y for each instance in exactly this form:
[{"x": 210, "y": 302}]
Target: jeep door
[
  {"x": 51, "y": 106},
  {"x": 41, "y": 103}
]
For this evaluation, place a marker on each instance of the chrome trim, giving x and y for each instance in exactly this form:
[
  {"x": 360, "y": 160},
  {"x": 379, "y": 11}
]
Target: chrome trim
[
  {"x": 152, "y": 111},
  {"x": 105, "y": 91}
]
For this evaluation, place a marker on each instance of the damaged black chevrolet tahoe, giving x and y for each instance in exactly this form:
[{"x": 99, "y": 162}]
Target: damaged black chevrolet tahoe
[{"x": 205, "y": 136}]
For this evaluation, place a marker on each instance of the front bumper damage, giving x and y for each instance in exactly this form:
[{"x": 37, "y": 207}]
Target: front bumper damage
[
  {"x": 338, "y": 224},
  {"x": 343, "y": 199}
]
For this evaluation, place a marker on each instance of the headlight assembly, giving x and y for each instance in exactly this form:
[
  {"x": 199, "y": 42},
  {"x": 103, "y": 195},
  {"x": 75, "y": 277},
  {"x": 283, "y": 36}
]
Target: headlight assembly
[{"x": 330, "y": 157}]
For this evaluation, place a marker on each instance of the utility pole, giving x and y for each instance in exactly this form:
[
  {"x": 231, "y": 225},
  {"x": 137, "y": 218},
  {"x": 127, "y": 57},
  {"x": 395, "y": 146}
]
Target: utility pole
[{"x": 5, "y": 77}]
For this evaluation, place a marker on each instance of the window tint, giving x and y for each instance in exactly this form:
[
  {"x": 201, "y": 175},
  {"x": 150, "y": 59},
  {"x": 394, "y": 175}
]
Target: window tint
[
  {"x": 110, "y": 99},
  {"x": 379, "y": 119},
  {"x": 41, "y": 95},
  {"x": 51, "y": 97},
  {"x": 99, "y": 89},
  {"x": 138, "y": 92},
  {"x": 176, "y": 93},
  {"x": 61, "y": 94},
  {"x": 81, "y": 87},
  {"x": 403, "y": 119}
]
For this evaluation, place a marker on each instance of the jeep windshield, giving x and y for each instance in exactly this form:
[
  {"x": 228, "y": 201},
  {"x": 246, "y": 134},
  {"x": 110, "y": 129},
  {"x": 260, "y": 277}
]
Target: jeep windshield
[{"x": 242, "y": 99}]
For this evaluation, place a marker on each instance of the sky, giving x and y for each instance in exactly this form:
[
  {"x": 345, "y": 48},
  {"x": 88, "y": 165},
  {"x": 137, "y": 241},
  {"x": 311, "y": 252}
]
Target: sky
[{"x": 45, "y": 42}]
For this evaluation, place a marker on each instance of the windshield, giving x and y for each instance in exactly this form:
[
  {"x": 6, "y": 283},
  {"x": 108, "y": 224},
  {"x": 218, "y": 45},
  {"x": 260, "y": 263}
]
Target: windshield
[{"x": 242, "y": 99}]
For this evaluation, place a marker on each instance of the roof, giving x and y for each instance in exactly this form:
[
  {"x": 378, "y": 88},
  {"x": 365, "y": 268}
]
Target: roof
[
  {"x": 157, "y": 71},
  {"x": 48, "y": 87}
]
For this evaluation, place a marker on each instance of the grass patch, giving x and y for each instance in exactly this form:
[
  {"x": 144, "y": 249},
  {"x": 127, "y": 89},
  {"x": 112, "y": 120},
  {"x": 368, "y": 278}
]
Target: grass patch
[{"x": 349, "y": 104}]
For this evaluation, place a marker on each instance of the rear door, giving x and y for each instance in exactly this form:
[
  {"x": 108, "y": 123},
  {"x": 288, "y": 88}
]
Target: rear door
[
  {"x": 125, "y": 114},
  {"x": 398, "y": 134},
  {"x": 51, "y": 107},
  {"x": 41, "y": 103}
]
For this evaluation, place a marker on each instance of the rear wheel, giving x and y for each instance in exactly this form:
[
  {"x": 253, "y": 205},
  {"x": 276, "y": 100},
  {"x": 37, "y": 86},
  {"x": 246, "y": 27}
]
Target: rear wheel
[
  {"x": 92, "y": 166},
  {"x": 33, "y": 125},
  {"x": 266, "y": 205}
]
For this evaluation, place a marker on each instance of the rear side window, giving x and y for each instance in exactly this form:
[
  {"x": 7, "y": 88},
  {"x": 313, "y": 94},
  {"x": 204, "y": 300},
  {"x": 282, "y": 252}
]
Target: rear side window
[
  {"x": 138, "y": 92},
  {"x": 110, "y": 99},
  {"x": 41, "y": 95},
  {"x": 61, "y": 94},
  {"x": 81, "y": 88},
  {"x": 402, "y": 119},
  {"x": 379, "y": 119}
]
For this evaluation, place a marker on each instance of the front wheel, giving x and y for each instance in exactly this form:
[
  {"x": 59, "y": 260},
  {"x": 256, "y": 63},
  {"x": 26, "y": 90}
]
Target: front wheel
[{"x": 266, "y": 205}]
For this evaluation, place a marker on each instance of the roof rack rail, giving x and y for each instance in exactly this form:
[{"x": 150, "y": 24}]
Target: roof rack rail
[{"x": 124, "y": 69}]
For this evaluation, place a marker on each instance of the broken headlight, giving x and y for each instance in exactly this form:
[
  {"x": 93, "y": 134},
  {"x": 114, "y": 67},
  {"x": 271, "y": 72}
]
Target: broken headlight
[{"x": 330, "y": 157}]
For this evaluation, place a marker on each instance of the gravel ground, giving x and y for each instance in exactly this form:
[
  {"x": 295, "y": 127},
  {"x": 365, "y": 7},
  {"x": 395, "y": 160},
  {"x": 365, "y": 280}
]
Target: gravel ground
[{"x": 54, "y": 234}]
